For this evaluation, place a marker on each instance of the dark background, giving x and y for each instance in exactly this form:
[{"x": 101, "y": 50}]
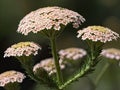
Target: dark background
[{"x": 96, "y": 12}]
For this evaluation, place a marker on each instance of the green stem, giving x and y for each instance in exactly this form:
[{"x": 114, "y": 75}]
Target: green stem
[
  {"x": 56, "y": 61},
  {"x": 101, "y": 73},
  {"x": 81, "y": 73},
  {"x": 27, "y": 64},
  {"x": 87, "y": 67}
]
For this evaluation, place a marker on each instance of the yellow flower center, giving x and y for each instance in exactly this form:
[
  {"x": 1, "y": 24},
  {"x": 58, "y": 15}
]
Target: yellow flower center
[
  {"x": 112, "y": 50},
  {"x": 50, "y": 63},
  {"x": 21, "y": 44},
  {"x": 71, "y": 49},
  {"x": 7, "y": 74},
  {"x": 98, "y": 28}
]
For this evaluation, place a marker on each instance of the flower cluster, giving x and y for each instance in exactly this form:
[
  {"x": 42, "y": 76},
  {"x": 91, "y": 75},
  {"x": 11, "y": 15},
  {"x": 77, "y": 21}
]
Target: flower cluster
[
  {"x": 22, "y": 49},
  {"x": 72, "y": 53},
  {"x": 97, "y": 33},
  {"x": 50, "y": 21},
  {"x": 111, "y": 53},
  {"x": 49, "y": 18},
  {"x": 11, "y": 77},
  {"x": 48, "y": 65}
]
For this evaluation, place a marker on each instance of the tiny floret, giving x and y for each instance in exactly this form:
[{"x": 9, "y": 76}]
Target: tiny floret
[
  {"x": 11, "y": 77},
  {"x": 97, "y": 33},
  {"x": 22, "y": 49},
  {"x": 49, "y": 18},
  {"x": 72, "y": 53},
  {"x": 111, "y": 53},
  {"x": 48, "y": 65}
]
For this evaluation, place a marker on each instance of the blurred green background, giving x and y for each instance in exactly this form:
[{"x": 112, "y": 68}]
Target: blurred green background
[{"x": 96, "y": 12}]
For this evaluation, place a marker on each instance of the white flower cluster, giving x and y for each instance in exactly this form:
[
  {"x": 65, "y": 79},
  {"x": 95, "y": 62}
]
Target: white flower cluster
[
  {"x": 97, "y": 33},
  {"x": 48, "y": 65},
  {"x": 22, "y": 49},
  {"x": 72, "y": 53},
  {"x": 11, "y": 77},
  {"x": 49, "y": 18},
  {"x": 111, "y": 53}
]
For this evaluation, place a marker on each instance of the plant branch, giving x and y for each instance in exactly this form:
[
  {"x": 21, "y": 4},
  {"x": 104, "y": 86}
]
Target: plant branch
[
  {"x": 75, "y": 77},
  {"x": 87, "y": 65},
  {"x": 56, "y": 61}
]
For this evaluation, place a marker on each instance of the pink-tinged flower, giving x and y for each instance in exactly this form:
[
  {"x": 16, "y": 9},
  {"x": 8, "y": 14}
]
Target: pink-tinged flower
[
  {"x": 72, "y": 53},
  {"x": 49, "y": 18},
  {"x": 22, "y": 49},
  {"x": 111, "y": 53},
  {"x": 48, "y": 65},
  {"x": 11, "y": 77},
  {"x": 97, "y": 33}
]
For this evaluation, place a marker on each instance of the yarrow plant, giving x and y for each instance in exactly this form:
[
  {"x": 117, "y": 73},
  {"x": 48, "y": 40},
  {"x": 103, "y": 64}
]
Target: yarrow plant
[
  {"x": 22, "y": 49},
  {"x": 48, "y": 65},
  {"x": 50, "y": 22},
  {"x": 49, "y": 18},
  {"x": 11, "y": 79},
  {"x": 72, "y": 53},
  {"x": 111, "y": 53},
  {"x": 97, "y": 33}
]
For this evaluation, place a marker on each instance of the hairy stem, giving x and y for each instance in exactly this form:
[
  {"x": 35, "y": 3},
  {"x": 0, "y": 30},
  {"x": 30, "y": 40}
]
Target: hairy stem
[
  {"x": 74, "y": 78},
  {"x": 27, "y": 64},
  {"x": 56, "y": 61},
  {"x": 87, "y": 66}
]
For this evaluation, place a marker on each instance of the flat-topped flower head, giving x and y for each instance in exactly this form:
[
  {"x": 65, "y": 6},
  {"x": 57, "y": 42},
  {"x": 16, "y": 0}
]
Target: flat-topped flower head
[
  {"x": 11, "y": 77},
  {"x": 72, "y": 53},
  {"x": 48, "y": 65},
  {"x": 97, "y": 33},
  {"x": 22, "y": 49},
  {"x": 111, "y": 53},
  {"x": 49, "y": 18}
]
